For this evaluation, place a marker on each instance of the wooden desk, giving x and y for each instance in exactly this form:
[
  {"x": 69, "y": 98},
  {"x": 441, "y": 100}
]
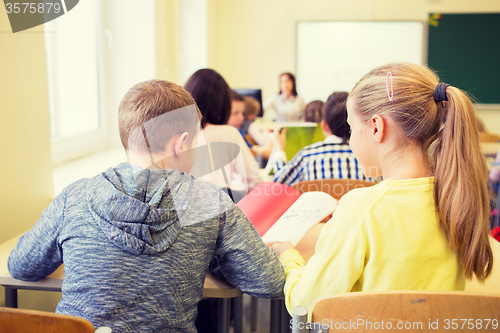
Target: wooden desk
[{"x": 213, "y": 288}]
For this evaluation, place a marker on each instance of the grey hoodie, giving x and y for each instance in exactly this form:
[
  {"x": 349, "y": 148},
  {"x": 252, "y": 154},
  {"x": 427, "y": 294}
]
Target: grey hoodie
[{"x": 136, "y": 245}]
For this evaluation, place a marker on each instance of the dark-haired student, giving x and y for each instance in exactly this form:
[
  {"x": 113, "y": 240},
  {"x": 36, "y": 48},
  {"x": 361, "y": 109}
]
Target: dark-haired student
[
  {"x": 328, "y": 159},
  {"x": 213, "y": 97}
]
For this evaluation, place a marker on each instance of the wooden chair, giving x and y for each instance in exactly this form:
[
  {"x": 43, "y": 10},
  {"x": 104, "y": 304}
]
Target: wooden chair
[
  {"x": 335, "y": 187},
  {"x": 409, "y": 311},
  {"x": 27, "y": 321}
]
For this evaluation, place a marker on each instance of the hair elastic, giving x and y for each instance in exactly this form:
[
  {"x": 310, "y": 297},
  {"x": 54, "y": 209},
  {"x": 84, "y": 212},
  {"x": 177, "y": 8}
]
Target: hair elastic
[
  {"x": 440, "y": 92},
  {"x": 391, "y": 94}
]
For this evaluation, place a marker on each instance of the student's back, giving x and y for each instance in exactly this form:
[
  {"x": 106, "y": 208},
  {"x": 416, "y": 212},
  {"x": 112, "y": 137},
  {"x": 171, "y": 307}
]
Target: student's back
[
  {"x": 375, "y": 242},
  {"x": 136, "y": 244},
  {"x": 401, "y": 237}
]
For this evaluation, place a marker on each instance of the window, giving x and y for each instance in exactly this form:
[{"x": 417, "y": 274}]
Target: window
[{"x": 73, "y": 58}]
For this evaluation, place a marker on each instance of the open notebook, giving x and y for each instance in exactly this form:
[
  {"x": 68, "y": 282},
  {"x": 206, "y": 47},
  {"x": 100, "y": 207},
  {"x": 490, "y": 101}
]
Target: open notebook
[{"x": 281, "y": 213}]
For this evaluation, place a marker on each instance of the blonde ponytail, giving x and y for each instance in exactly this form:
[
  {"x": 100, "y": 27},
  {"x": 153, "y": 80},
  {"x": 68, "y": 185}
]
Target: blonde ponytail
[
  {"x": 455, "y": 159},
  {"x": 460, "y": 186}
]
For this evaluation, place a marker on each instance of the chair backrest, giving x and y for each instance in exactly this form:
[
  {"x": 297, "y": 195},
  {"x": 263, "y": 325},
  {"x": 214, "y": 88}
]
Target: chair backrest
[
  {"x": 419, "y": 311},
  {"x": 335, "y": 187},
  {"x": 20, "y": 320}
]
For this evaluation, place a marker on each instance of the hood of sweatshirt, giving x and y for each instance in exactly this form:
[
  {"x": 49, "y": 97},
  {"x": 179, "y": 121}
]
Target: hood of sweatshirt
[{"x": 140, "y": 210}]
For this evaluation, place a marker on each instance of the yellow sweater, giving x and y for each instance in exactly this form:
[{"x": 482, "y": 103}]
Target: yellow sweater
[{"x": 385, "y": 237}]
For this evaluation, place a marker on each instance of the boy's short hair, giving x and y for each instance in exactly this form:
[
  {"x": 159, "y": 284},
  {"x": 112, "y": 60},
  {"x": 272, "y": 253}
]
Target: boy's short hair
[
  {"x": 252, "y": 107},
  {"x": 334, "y": 113},
  {"x": 152, "y": 112}
]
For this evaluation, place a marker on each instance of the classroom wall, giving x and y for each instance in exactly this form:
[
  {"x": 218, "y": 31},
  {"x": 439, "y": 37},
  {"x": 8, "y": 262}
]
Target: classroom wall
[
  {"x": 167, "y": 18},
  {"x": 163, "y": 35},
  {"x": 192, "y": 37},
  {"x": 181, "y": 38},
  {"x": 129, "y": 54},
  {"x": 251, "y": 42},
  {"x": 26, "y": 168},
  {"x": 24, "y": 129}
]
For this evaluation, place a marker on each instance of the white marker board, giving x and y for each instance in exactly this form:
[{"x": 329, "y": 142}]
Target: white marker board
[{"x": 333, "y": 56}]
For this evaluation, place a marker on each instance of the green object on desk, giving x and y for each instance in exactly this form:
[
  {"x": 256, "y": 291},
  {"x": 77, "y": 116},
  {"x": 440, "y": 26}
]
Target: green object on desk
[{"x": 299, "y": 137}]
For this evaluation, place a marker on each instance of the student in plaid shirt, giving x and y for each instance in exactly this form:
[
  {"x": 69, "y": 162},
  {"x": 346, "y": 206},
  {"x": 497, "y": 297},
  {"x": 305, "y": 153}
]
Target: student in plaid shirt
[{"x": 331, "y": 158}]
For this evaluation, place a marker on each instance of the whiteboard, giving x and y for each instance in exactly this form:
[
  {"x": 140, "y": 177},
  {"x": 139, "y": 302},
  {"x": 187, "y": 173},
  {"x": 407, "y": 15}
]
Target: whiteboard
[{"x": 333, "y": 56}]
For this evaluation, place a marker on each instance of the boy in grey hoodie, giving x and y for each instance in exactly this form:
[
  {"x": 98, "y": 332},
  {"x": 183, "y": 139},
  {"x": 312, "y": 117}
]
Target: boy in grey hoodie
[{"x": 136, "y": 241}]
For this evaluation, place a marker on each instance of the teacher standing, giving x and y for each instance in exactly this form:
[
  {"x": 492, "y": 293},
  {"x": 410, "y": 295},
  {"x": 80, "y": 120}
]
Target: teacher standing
[{"x": 287, "y": 104}]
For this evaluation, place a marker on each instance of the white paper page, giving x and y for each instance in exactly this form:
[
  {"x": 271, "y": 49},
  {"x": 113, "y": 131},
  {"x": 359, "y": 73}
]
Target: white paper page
[{"x": 309, "y": 209}]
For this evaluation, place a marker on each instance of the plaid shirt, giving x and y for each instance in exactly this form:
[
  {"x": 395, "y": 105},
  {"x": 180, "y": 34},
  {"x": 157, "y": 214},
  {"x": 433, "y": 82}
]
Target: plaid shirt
[{"x": 322, "y": 160}]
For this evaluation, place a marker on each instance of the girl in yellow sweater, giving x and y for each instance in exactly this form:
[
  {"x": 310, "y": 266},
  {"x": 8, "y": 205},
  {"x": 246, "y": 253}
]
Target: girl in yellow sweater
[{"x": 425, "y": 227}]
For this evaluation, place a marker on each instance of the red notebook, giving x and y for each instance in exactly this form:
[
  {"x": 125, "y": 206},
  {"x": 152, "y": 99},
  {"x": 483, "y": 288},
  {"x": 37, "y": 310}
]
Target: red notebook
[{"x": 280, "y": 212}]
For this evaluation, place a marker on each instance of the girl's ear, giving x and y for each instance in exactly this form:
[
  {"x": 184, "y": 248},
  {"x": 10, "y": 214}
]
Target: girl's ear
[
  {"x": 377, "y": 124},
  {"x": 180, "y": 143}
]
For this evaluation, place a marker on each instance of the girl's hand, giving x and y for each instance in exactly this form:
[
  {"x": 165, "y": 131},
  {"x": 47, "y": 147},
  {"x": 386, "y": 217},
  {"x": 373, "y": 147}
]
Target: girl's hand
[{"x": 279, "y": 248}]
